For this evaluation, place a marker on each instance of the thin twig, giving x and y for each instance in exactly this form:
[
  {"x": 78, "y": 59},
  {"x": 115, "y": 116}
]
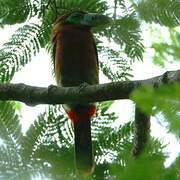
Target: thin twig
[{"x": 115, "y": 8}]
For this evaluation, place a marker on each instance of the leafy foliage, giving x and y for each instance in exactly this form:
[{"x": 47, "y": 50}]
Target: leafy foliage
[
  {"x": 16, "y": 53},
  {"x": 125, "y": 31},
  {"x": 10, "y": 134},
  {"x": 46, "y": 150},
  {"x": 94, "y": 5},
  {"x": 163, "y": 12},
  {"x": 18, "y": 11},
  {"x": 167, "y": 51},
  {"x": 166, "y": 102}
]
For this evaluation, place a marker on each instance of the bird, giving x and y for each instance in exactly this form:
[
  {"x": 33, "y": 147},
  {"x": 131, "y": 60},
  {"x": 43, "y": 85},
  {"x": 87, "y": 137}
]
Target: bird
[{"x": 75, "y": 62}]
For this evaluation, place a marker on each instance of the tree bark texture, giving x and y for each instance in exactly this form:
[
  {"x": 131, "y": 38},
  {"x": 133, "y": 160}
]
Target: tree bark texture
[{"x": 32, "y": 95}]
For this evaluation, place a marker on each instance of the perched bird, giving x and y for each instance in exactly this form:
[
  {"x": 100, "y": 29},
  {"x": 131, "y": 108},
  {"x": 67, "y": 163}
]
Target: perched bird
[{"x": 76, "y": 62}]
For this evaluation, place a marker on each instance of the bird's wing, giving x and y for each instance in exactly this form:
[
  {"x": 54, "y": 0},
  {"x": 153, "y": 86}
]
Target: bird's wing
[{"x": 56, "y": 55}]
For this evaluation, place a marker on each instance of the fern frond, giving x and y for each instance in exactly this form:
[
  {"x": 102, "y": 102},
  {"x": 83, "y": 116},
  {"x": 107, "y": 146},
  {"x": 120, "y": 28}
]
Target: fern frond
[
  {"x": 113, "y": 66},
  {"x": 9, "y": 159},
  {"x": 10, "y": 129},
  {"x": 114, "y": 142},
  {"x": 6, "y": 165},
  {"x": 11, "y": 166},
  {"x": 116, "y": 137},
  {"x": 18, "y": 11},
  {"x": 59, "y": 159},
  {"x": 85, "y": 5},
  {"x": 125, "y": 32},
  {"x": 166, "y": 13},
  {"x": 11, "y": 135},
  {"x": 49, "y": 140},
  {"x": 50, "y": 127},
  {"x": 17, "y": 52},
  {"x": 167, "y": 51},
  {"x": 103, "y": 119}
]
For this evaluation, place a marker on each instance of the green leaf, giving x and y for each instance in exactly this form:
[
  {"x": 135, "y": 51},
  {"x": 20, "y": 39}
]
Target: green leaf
[
  {"x": 159, "y": 11},
  {"x": 163, "y": 100}
]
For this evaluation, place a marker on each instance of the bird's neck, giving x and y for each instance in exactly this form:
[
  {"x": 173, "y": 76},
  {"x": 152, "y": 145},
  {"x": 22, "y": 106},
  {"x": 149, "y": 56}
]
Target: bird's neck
[{"x": 75, "y": 33}]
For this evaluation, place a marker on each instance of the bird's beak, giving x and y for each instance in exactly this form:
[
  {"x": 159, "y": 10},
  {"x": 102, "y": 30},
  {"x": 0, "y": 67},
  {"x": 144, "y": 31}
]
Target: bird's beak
[{"x": 93, "y": 19}]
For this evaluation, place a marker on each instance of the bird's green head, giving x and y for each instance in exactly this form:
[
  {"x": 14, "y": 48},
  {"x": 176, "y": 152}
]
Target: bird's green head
[{"x": 86, "y": 19}]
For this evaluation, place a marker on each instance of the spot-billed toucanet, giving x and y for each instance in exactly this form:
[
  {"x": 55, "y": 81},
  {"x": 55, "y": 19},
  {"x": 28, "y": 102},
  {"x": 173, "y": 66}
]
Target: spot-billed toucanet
[{"x": 76, "y": 62}]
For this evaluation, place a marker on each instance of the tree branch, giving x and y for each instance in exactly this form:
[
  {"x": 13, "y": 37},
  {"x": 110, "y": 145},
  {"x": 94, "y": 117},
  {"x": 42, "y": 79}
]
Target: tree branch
[{"x": 32, "y": 95}]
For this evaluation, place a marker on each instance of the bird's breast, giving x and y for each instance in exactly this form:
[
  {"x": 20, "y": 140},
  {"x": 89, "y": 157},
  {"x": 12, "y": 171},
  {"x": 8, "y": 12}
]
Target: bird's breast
[{"x": 76, "y": 58}]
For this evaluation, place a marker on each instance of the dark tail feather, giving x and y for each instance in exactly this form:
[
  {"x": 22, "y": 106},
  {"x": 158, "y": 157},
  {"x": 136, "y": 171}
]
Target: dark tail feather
[{"x": 83, "y": 148}]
